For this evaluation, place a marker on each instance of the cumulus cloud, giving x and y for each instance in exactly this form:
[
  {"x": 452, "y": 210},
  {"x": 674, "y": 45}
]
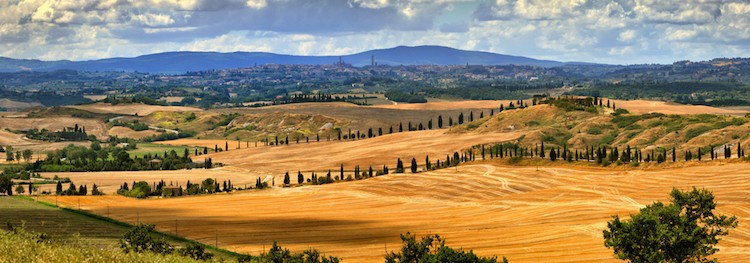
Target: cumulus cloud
[{"x": 609, "y": 31}]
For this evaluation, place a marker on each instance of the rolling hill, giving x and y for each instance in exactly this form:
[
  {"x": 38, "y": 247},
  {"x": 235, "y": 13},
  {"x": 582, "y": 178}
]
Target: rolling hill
[{"x": 180, "y": 62}]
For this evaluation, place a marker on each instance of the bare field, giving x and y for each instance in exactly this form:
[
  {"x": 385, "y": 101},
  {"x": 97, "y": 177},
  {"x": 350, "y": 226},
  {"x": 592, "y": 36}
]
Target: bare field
[
  {"x": 647, "y": 106},
  {"x": 364, "y": 117},
  {"x": 330, "y": 155},
  {"x": 95, "y": 127},
  {"x": 528, "y": 214},
  {"x": 109, "y": 182},
  {"x": 130, "y": 109},
  {"x": 12, "y": 104},
  {"x": 448, "y": 105},
  {"x": 125, "y": 132}
]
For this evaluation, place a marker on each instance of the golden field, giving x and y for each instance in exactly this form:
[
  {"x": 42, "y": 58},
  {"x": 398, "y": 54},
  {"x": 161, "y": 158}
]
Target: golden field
[{"x": 528, "y": 214}]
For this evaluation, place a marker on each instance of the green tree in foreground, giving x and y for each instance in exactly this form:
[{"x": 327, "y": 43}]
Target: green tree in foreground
[
  {"x": 278, "y": 254},
  {"x": 686, "y": 230},
  {"x": 432, "y": 248},
  {"x": 139, "y": 240}
]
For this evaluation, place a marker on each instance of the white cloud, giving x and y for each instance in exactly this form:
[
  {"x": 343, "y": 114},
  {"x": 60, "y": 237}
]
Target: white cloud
[
  {"x": 627, "y": 35},
  {"x": 609, "y": 31}
]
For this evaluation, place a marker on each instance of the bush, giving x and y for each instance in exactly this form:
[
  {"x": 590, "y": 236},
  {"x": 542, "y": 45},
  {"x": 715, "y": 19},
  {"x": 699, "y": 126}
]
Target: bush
[
  {"x": 139, "y": 190},
  {"x": 139, "y": 240},
  {"x": 432, "y": 248},
  {"x": 196, "y": 251}
]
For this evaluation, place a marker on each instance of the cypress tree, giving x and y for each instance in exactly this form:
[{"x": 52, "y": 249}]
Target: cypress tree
[
  {"x": 342, "y": 172},
  {"x": 552, "y": 155},
  {"x": 399, "y": 166},
  {"x": 380, "y": 131},
  {"x": 440, "y": 121},
  {"x": 413, "y": 165},
  {"x": 390, "y": 130},
  {"x": 58, "y": 188},
  {"x": 400, "y": 127},
  {"x": 739, "y": 150},
  {"x": 541, "y": 153},
  {"x": 461, "y": 118},
  {"x": 300, "y": 178},
  {"x": 674, "y": 154},
  {"x": 226, "y": 146},
  {"x": 286, "y": 180}
]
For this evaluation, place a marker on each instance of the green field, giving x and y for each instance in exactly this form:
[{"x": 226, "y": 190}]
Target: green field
[
  {"x": 59, "y": 224},
  {"x": 74, "y": 226},
  {"x": 152, "y": 148}
]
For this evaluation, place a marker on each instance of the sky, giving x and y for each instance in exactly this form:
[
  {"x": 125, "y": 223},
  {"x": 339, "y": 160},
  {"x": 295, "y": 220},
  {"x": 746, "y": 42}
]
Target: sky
[{"x": 600, "y": 31}]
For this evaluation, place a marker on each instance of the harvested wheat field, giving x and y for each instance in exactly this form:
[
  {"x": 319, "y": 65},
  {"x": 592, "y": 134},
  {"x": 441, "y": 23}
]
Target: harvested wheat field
[
  {"x": 109, "y": 182},
  {"x": 330, "y": 155},
  {"x": 130, "y": 109},
  {"x": 648, "y": 106},
  {"x": 446, "y": 105},
  {"x": 527, "y": 214},
  {"x": 125, "y": 132},
  {"x": 93, "y": 126}
]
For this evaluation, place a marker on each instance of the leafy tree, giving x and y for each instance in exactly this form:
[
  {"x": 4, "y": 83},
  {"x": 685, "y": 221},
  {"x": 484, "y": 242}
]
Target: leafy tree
[
  {"x": 196, "y": 251},
  {"x": 9, "y": 157},
  {"x": 20, "y": 190},
  {"x": 278, "y": 254},
  {"x": 686, "y": 230},
  {"x": 432, "y": 248},
  {"x": 27, "y": 154},
  {"x": 139, "y": 240},
  {"x": 95, "y": 190},
  {"x": 58, "y": 188}
]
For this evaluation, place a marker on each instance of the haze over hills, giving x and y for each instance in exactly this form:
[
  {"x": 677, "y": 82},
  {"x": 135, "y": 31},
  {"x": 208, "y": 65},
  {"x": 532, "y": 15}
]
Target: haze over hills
[{"x": 180, "y": 62}]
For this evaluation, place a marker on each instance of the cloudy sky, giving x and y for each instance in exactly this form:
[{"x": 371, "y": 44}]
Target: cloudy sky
[{"x": 605, "y": 31}]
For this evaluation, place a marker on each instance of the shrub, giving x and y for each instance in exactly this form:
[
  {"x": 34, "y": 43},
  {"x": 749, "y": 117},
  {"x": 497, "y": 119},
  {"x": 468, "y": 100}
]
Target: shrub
[{"x": 139, "y": 240}]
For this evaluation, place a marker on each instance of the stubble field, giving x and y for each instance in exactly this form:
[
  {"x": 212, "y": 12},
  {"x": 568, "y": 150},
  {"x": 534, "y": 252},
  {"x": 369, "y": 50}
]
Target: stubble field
[{"x": 528, "y": 215}]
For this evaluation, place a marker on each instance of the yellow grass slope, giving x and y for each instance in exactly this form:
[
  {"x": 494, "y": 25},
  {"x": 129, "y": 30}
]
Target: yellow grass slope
[
  {"x": 130, "y": 109},
  {"x": 528, "y": 214},
  {"x": 330, "y": 155}
]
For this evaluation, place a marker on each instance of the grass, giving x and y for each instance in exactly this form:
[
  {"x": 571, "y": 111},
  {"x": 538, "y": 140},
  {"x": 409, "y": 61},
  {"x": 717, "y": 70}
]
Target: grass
[
  {"x": 22, "y": 246},
  {"x": 65, "y": 224},
  {"x": 152, "y": 148}
]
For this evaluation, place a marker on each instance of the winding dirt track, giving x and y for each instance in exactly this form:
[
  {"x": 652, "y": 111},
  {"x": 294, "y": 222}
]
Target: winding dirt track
[{"x": 553, "y": 214}]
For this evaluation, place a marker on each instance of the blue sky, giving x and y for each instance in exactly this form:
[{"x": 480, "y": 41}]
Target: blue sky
[{"x": 604, "y": 31}]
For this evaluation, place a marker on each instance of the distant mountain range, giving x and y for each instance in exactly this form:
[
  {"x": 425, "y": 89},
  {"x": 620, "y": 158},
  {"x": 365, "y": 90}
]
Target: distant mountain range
[{"x": 180, "y": 62}]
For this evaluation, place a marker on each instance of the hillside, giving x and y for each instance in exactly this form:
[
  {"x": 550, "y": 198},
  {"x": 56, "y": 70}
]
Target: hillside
[
  {"x": 180, "y": 62},
  {"x": 526, "y": 213},
  {"x": 578, "y": 130}
]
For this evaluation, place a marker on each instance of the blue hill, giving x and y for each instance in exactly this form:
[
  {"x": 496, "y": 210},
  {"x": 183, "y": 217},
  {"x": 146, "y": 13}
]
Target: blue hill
[{"x": 180, "y": 62}]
